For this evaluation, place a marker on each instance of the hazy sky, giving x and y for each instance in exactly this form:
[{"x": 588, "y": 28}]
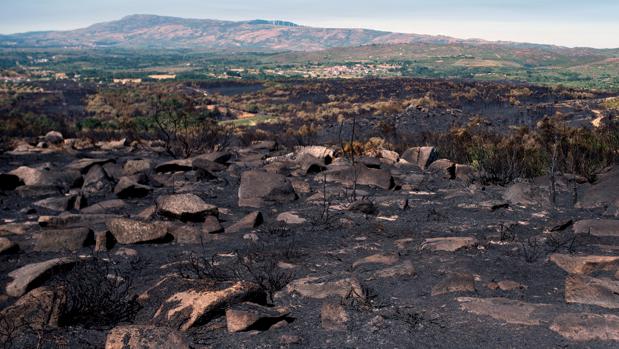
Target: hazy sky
[{"x": 592, "y": 23}]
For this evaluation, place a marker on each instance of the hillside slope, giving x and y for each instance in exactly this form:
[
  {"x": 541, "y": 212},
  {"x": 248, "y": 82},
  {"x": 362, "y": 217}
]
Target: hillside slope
[{"x": 171, "y": 32}]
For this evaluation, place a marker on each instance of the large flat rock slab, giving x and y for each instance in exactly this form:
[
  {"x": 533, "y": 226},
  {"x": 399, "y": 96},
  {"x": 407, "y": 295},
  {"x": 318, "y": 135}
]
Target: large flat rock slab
[
  {"x": 128, "y": 188},
  {"x": 136, "y": 166},
  {"x": 182, "y": 165},
  {"x": 420, "y": 156},
  {"x": 449, "y": 244},
  {"x": 604, "y": 192},
  {"x": 598, "y": 227},
  {"x": 250, "y": 221},
  {"x": 260, "y": 188},
  {"x": 383, "y": 259},
  {"x": 322, "y": 287},
  {"x": 584, "y": 264},
  {"x": 250, "y": 316},
  {"x": 333, "y": 317},
  {"x": 71, "y": 239},
  {"x": 7, "y": 246},
  {"x": 189, "y": 308},
  {"x": 104, "y": 206},
  {"x": 31, "y": 176},
  {"x": 74, "y": 220},
  {"x": 84, "y": 165},
  {"x": 583, "y": 289},
  {"x": 145, "y": 337},
  {"x": 404, "y": 269},
  {"x": 373, "y": 177},
  {"x": 455, "y": 282},
  {"x": 26, "y": 275},
  {"x": 38, "y": 308},
  {"x": 587, "y": 327},
  {"x": 526, "y": 194},
  {"x": 508, "y": 310}
]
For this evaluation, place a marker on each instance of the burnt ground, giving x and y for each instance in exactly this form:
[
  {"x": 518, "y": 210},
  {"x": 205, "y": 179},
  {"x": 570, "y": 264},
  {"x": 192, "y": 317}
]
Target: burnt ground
[{"x": 512, "y": 243}]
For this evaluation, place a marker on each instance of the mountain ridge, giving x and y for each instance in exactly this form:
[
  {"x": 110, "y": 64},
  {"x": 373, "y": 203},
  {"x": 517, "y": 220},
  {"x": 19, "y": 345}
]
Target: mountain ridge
[{"x": 153, "y": 31}]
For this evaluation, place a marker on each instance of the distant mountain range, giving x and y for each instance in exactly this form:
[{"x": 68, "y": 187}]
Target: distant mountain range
[{"x": 149, "y": 31}]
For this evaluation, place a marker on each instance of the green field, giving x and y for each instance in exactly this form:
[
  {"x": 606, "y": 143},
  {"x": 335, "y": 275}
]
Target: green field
[{"x": 579, "y": 68}]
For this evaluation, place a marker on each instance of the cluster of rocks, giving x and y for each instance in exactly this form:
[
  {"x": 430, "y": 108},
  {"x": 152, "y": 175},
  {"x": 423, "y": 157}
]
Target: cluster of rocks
[{"x": 394, "y": 217}]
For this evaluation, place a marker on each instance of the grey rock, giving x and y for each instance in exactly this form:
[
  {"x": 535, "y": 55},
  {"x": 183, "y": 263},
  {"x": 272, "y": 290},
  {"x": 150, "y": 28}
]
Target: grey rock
[
  {"x": 128, "y": 188},
  {"x": 421, "y": 156},
  {"x": 260, "y": 188},
  {"x": 250, "y": 221},
  {"x": 63, "y": 239},
  {"x": 128, "y": 231},
  {"x": 84, "y": 165},
  {"x": 182, "y": 165},
  {"x": 7, "y": 246},
  {"x": 54, "y": 137},
  {"x": 186, "y": 207},
  {"x": 132, "y": 167},
  {"x": 23, "y": 277}
]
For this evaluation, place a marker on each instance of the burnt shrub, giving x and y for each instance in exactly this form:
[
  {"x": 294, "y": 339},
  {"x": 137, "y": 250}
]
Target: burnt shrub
[
  {"x": 10, "y": 330},
  {"x": 526, "y": 153},
  {"x": 257, "y": 263},
  {"x": 201, "y": 266},
  {"x": 98, "y": 294},
  {"x": 263, "y": 270},
  {"x": 184, "y": 129}
]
